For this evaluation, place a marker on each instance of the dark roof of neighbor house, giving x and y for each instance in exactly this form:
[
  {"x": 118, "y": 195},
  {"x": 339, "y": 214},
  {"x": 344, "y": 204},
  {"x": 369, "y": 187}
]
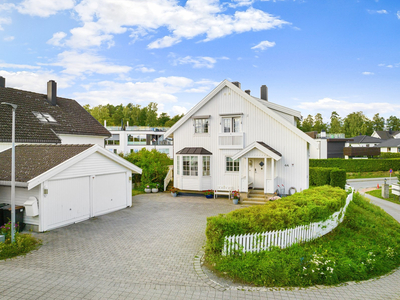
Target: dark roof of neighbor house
[
  {"x": 269, "y": 148},
  {"x": 389, "y": 143},
  {"x": 67, "y": 117},
  {"x": 386, "y": 134},
  {"x": 33, "y": 160},
  {"x": 194, "y": 150},
  {"x": 365, "y": 139}
]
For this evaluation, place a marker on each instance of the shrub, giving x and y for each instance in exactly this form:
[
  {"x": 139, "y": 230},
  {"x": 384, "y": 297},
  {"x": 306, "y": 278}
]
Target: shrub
[
  {"x": 338, "y": 178},
  {"x": 357, "y": 165},
  {"x": 389, "y": 155},
  {"x": 319, "y": 176},
  {"x": 302, "y": 208}
]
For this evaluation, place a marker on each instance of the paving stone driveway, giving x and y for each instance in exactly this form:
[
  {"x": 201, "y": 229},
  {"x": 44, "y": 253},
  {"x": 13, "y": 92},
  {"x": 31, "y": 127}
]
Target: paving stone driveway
[{"x": 146, "y": 252}]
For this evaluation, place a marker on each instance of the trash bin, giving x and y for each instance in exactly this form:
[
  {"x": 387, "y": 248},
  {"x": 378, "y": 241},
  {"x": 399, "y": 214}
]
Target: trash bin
[
  {"x": 2, "y": 221},
  {"x": 19, "y": 215}
]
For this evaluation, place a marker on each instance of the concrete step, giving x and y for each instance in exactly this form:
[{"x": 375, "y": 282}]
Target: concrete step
[
  {"x": 253, "y": 202},
  {"x": 253, "y": 198}
]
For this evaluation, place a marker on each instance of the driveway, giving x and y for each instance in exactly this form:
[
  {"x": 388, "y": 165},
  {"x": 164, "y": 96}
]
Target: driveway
[{"x": 149, "y": 251}]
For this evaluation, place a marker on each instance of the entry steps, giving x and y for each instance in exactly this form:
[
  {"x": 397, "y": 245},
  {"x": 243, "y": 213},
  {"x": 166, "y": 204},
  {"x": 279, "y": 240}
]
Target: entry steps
[{"x": 257, "y": 197}]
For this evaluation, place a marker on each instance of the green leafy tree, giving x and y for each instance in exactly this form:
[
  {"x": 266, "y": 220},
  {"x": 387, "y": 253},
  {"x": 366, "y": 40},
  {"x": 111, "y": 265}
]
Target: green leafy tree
[
  {"x": 173, "y": 120},
  {"x": 394, "y": 123},
  {"x": 162, "y": 119},
  {"x": 151, "y": 114},
  {"x": 100, "y": 113},
  {"x": 336, "y": 124},
  {"x": 378, "y": 123},
  {"x": 357, "y": 123},
  {"x": 307, "y": 124},
  {"x": 319, "y": 124}
]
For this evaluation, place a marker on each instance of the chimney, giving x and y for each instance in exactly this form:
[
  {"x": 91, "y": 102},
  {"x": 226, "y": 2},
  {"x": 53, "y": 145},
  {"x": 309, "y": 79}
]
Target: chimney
[
  {"x": 52, "y": 92},
  {"x": 2, "y": 82},
  {"x": 237, "y": 83},
  {"x": 247, "y": 91},
  {"x": 105, "y": 123},
  {"x": 264, "y": 92}
]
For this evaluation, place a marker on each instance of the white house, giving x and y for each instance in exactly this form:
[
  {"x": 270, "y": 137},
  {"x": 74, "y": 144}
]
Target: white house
[
  {"x": 46, "y": 119},
  {"x": 67, "y": 183},
  {"x": 390, "y": 146},
  {"x": 363, "y": 141},
  {"x": 130, "y": 139},
  {"x": 232, "y": 138},
  {"x": 386, "y": 134}
]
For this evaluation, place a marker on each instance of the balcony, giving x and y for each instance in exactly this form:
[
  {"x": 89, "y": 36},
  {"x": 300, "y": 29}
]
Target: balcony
[
  {"x": 361, "y": 151},
  {"x": 232, "y": 140}
]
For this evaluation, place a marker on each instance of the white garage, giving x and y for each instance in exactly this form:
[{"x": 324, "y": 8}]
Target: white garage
[{"x": 71, "y": 183}]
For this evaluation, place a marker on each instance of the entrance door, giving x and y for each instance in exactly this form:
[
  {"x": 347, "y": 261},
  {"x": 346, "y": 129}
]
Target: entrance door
[{"x": 256, "y": 172}]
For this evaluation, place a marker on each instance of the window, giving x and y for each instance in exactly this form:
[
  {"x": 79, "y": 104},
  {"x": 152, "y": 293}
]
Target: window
[
  {"x": 136, "y": 139},
  {"x": 190, "y": 166},
  {"x": 206, "y": 166},
  {"x": 389, "y": 149},
  {"x": 178, "y": 165},
  {"x": 113, "y": 140},
  {"x": 232, "y": 165},
  {"x": 115, "y": 151},
  {"x": 44, "y": 117},
  {"x": 201, "y": 126},
  {"x": 231, "y": 124},
  {"x": 166, "y": 151}
]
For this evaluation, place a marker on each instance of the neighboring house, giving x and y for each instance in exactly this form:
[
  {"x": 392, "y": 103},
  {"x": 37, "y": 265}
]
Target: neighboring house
[
  {"x": 47, "y": 119},
  {"x": 392, "y": 146},
  {"x": 234, "y": 139},
  {"x": 330, "y": 145},
  {"x": 363, "y": 141},
  {"x": 69, "y": 183},
  {"x": 133, "y": 138},
  {"x": 362, "y": 146},
  {"x": 386, "y": 134}
]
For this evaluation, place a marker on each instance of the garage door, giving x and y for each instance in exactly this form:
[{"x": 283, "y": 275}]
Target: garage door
[
  {"x": 109, "y": 193},
  {"x": 67, "y": 202}
]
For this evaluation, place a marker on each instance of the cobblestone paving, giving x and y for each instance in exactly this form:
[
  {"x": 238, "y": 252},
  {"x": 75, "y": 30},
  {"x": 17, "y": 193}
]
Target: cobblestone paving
[{"x": 149, "y": 251}]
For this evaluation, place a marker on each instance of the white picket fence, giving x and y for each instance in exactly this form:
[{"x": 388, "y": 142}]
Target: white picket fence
[
  {"x": 169, "y": 176},
  {"x": 257, "y": 242}
]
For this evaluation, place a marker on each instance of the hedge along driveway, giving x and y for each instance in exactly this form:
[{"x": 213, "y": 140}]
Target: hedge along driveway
[{"x": 358, "y": 165}]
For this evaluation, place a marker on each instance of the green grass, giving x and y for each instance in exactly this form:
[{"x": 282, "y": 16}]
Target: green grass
[
  {"x": 137, "y": 192},
  {"x": 378, "y": 193},
  {"x": 365, "y": 245},
  {"x": 377, "y": 174}
]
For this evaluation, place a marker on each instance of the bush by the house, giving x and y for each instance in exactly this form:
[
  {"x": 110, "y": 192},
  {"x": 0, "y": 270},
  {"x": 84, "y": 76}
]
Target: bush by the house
[
  {"x": 302, "y": 208},
  {"x": 357, "y": 165},
  {"x": 319, "y": 176},
  {"x": 365, "y": 245},
  {"x": 338, "y": 178},
  {"x": 154, "y": 166}
]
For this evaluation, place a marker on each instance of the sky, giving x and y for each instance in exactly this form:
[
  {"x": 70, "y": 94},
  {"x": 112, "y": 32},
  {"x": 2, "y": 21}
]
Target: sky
[{"x": 315, "y": 56}]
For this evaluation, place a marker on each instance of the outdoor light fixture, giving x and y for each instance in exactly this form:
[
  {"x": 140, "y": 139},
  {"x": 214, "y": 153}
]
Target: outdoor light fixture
[{"x": 14, "y": 107}]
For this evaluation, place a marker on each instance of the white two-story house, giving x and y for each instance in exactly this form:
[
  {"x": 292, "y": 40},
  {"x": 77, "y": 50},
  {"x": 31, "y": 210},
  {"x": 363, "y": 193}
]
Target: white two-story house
[{"x": 234, "y": 139}]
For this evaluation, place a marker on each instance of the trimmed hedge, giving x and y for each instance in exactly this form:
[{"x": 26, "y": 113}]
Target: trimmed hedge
[
  {"x": 389, "y": 155},
  {"x": 327, "y": 176},
  {"x": 302, "y": 208},
  {"x": 357, "y": 165}
]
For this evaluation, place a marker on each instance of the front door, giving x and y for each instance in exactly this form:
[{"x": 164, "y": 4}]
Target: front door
[{"x": 256, "y": 172}]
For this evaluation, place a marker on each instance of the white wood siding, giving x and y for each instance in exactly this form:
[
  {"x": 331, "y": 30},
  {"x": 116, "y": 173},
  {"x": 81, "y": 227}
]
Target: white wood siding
[
  {"x": 92, "y": 165},
  {"x": 21, "y": 195},
  {"x": 82, "y": 139},
  {"x": 291, "y": 170}
]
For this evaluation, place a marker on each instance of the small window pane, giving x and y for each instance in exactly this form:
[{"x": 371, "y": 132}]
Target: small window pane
[
  {"x": 232, "y": 166},
  {"x": 186, "y": 166},
  {"x": 226, "y": 124},
  {"x": 206, "y": 166},
  {"x": 194, "y": 166},
  {"x": 236, "y": 124}
]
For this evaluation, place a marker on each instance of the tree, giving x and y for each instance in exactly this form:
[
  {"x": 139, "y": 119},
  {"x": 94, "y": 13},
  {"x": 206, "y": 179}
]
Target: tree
[
  {"x": 357, "y": 123},
  {"x": 307, "y": 124},
  {"x": 393, "y": 122},
  {"x": 151, "y": 114},
  {"x": 319, "y": 124},
  {"x": 174, "y": 119},
  {"x": 336, "y": 124},
  {"x": 378, "y": 123},
  {"x": 162, "y": 119},
  {"x": 100, "y": 113}
]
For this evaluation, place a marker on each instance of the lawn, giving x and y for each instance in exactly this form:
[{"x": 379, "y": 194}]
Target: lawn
[
  {"x": 377, "y": 174},
  {"x": 378, "y": 193},
  {"x": 365, "y": 245}
]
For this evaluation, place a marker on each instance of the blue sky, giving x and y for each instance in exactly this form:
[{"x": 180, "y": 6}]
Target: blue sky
[{"x": 314, "y": 56}]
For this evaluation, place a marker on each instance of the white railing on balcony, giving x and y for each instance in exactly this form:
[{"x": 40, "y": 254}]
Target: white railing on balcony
[
  {"x": 234, "y": 140},
  {"x": 138, "y": 128}
]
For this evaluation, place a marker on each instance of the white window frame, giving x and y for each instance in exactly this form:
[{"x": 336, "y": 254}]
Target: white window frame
[
  {"x": 206, "y": 165},
  {"x": 201, "y": 125},
  {"x": 232, "y": 166},
  {"x": 178, "y": 165},
  {"x": 193, "y": 165},
  {"x": 231, "y": 124}
]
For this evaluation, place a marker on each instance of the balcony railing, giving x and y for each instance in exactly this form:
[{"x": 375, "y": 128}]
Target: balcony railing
[
  {"x": 138, "y": 128},
  {"x": 232, "y": 140}
]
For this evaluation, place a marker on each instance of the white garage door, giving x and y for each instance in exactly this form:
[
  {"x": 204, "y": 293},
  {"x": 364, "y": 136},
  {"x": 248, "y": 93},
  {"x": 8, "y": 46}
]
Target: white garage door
[
  {"x": 67, "y": 202},
  {"x": 109, "y": 193}
]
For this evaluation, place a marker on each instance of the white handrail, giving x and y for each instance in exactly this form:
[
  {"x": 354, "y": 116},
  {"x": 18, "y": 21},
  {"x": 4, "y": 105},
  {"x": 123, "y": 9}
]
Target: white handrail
[{"x": 169, "y": 176}]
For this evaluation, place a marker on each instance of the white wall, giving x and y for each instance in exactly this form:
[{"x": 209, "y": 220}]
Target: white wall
[
  {"x": 82, "y": 139},
  {"x": 322, "y": 151}
]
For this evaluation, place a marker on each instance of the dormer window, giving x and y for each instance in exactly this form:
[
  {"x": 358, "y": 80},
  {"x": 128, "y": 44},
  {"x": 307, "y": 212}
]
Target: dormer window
[{"x": 44, "y": 117}]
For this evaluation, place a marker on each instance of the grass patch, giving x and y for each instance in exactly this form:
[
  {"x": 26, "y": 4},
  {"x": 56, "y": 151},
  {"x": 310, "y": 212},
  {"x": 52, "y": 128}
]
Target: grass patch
[
  {"x": 136, "y": 192},
  {"x": 377, "y": 174},
  {"x": 378, "y": 194},
  {"x": 365, "y": 245}
]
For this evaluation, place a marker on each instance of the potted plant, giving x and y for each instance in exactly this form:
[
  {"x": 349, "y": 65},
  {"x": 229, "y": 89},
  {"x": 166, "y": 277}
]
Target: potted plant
[
  {"x": 147, "y": 188},
  {"x": 235, "y": 197},
  {"x": 154, "y": 187},
  {"x": 174, "y": 191},
  {"x": 209, "y": 194}
]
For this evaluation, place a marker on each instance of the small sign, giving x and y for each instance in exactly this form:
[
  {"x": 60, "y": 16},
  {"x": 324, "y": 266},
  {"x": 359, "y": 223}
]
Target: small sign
[{"x": 390, "y": 171}]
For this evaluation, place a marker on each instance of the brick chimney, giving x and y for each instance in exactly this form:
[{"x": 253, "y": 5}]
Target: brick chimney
[
  {"x": 2, "y": 82},
  {"x": 264, "y": 92},
  {"x": 52, "y": 92},
  {"x": 237, "y": 83}
]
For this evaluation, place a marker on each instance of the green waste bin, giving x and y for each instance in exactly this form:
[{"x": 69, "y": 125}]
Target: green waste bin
[{"x": 19, "y": 216}]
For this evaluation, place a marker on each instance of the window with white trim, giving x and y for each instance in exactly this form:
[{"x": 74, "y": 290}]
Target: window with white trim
[
  {"x": 231, "y": 124},
  {"x": 178, "y": 165},
  {"x": 190, "y": 166},
  {"x": 201, "y": 125},
  {"x": 206, "y": 165},
  {"x": 232, "y": 165}
]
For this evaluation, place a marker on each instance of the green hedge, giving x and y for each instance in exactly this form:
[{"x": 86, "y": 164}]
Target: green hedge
[
  {"x": 389, "y": 155},
  {"x": 338, "y": 178},
  {"x": 357, "y": 165},
  {"x": 327, "y": 176},
  {"x": 302, "y": 208}
]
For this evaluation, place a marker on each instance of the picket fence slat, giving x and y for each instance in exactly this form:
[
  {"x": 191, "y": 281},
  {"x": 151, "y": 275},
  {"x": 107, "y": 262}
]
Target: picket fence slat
[{"x": 257, "y": 242}]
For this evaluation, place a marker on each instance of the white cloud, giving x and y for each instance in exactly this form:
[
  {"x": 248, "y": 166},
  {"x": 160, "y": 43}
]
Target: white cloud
[
  {"x": 197, "y": 62},
  {"x": 383, "y": 11},
  {"x": 77, "y": 64},
  {"x": 56, "y": 39},
  {"x": 102, "y": 19},
  {"x": 367, "y": 73},
  {"x": 8, "y": 38},
  {"x": 44, "y": 8},
  {"x": 5, "y": 21},
  {"x": 144, "y": 69},
  {"x": 398, "y": 14},
  {"x": 263, "y": 45},
  {"x": 178, "y": 110},
  {"x": 17, "y": 66}
]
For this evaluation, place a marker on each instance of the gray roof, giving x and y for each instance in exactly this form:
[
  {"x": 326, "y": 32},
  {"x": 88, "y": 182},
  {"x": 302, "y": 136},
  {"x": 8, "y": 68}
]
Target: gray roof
[
  {"x": 69, "y": 116},
  {"x": 386, "y": 134},
  {"x": 364, "y": 139},
  {"x": 194, "y": 150},
  {"x": 33, "y": 160},
  {"x": 389, "y": 143},
  {"x": 269, "y": 148}
]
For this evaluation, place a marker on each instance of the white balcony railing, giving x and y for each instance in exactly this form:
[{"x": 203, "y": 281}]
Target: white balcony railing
[{"x": 232, "y": 140}]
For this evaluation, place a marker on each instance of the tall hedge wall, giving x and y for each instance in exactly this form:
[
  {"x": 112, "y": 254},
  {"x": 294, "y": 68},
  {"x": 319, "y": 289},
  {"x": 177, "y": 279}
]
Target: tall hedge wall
[
  {"x": 327, "y": 176},
  {"x": 357, "y": 165}
]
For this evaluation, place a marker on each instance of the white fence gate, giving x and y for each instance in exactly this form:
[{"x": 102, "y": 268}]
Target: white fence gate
[{"x": 257, "y": 242}]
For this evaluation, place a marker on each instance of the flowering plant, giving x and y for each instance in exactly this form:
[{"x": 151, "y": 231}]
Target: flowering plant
[
  {"x": 208, "y": 192},
  {"x": 235, "y": 194},
  {"x": 174, "y": 190},
  {"x": 6, "y": 229}
]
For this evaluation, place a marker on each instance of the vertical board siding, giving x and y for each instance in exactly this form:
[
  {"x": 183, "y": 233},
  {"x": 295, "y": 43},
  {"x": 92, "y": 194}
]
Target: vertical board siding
[
  {"x": 256, "y": 126},
  {"x": 284, "y": 238}
]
